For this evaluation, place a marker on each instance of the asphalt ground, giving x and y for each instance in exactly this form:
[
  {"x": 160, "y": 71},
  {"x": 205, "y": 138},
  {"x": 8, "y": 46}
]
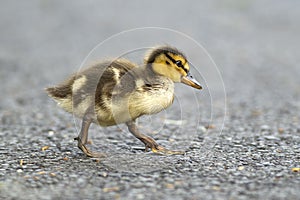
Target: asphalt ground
[{"x": 241, "y": 132}]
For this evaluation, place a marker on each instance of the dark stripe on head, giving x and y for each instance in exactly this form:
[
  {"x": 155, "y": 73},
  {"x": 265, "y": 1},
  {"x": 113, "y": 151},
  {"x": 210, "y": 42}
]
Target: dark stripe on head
[
  {"x": 170, "y": 58},
  {"x": 186, "y": 71},
  {"x": 163, "y": 50}
]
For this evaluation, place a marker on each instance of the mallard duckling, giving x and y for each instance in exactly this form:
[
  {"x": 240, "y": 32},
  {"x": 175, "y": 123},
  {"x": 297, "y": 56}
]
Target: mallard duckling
[{"x": 118, "y": 91}]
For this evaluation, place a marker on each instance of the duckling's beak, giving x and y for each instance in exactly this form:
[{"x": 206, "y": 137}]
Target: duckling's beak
[{"x": 189, "y": 80}]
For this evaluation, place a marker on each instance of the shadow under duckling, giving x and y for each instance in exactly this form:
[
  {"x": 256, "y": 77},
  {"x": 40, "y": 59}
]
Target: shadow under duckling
[{"x": 118, "y": 91}]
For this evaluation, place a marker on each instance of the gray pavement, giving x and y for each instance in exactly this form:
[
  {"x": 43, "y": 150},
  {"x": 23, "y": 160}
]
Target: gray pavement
[{"x": 255, "y": 45}]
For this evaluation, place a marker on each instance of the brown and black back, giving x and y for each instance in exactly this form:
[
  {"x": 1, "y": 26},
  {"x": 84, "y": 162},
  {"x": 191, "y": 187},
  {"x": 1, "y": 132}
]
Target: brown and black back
[{"x": 94, "y": 86}]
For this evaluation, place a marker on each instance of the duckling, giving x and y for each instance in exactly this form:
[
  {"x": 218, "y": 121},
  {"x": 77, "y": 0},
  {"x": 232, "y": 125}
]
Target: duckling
[{"x": 119, "y": 91}]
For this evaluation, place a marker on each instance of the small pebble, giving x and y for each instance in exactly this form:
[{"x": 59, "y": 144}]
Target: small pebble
[
  {"x": 170, "y": 185},
  {"x": 210, "y": 126},
  {"x": 265, "y": 128},
  {"x": 140, "y": 196},
  {"x": 296, "y": 169},
  {"x": 280, "y": 130},
  {"x": 271, "y": 137},
  {"x": 202, "y": 129},
  {"x": 104, "y": 174},
  {"x": 50, "y": 133},
  {"x": 111, "y": 189},
  {"x": 44, "y": 148}
]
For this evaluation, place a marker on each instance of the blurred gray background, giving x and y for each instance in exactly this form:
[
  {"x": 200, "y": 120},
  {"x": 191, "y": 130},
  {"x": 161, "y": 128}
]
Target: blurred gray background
[{"x": 255, "y": 45}]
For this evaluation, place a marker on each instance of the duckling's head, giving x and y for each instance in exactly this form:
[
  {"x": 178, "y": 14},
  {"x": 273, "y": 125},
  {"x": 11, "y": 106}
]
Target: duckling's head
[{"x": 170, "y": 62}]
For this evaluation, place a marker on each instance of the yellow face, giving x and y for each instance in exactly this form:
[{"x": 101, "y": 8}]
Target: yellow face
[
  {"x": 171, "y": 66},
  {"x": 174, "y": 67}
]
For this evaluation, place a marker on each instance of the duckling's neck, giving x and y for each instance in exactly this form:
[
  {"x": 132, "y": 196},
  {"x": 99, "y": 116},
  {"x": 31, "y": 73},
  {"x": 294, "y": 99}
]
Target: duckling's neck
[
  {"x": 147, "y": 80},
  {"x": 149, "y": 70},
  {"x": 151, "y": 76}
]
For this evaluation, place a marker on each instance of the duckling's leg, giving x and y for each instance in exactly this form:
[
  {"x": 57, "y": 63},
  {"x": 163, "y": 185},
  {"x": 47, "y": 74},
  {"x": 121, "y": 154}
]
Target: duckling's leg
[
  {"x": 149, "y": 142},
  {"x": 83, "y": 136}
]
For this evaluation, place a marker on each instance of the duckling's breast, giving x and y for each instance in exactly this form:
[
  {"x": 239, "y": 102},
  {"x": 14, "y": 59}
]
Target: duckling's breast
[{"x": 151, "y": 98}]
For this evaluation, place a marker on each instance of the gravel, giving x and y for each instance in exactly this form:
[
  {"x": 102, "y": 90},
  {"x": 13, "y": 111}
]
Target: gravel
[{"x": 256, "y": 47}]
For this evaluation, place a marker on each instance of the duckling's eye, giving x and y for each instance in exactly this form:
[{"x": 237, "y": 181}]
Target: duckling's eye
[{"x": 179, "y": 63}]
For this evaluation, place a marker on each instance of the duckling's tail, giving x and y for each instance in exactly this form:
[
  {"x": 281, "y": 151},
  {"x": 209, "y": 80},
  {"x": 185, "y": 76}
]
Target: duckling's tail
[
  {"x": 59, "y": 92},
  {"x": 62, "y": 94},
  {"x": 62, "y": 91}
]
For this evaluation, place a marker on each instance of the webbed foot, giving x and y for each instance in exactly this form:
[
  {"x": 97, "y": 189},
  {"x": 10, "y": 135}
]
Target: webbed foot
[
  {"x": 88, "y": 152},
  {"x": 163, "y": 151}
]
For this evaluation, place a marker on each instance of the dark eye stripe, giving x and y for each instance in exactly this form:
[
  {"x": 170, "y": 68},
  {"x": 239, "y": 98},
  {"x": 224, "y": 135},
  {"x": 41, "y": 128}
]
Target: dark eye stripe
[
  {"x": 186, "y": 71},
  {"x": 170, "y": 58},
  {"x": 179, "y": 64}
]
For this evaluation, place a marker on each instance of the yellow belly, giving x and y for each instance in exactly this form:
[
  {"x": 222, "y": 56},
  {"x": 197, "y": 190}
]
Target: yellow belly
[{"x": 121, "y": 110}]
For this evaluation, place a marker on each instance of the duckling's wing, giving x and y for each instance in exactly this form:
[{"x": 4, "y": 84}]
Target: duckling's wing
[
  {"x": 93, "y": 85},
  {"x": 116, "y": 80}
]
